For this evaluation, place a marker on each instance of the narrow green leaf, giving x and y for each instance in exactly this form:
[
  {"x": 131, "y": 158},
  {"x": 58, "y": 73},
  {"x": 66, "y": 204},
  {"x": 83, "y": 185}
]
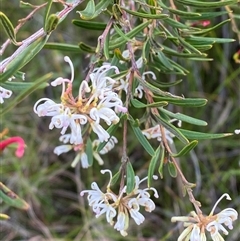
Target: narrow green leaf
[
  {"x": 130, "y": 177},
  {"x": 63, "y": 47},
  {"x": 173, "y": 52},
  {"x": 201, "y": 59},
  {"x": 86, "y": 48},
  {"x": 176, "y": 68},
  {"x": 164, "y": 60},
  {"x": 175, "y": 24},
  {"x": 153, "y": 4},
  {"x": 201, "y": 48},
  {"x": 207, "y": 40},
  {"x": 123, "y": 35},
  {"x": 131, "y": 34},
  {"x": 89, "y": 152},
  {"x": 106, "y": 46},
  {"x": 101, "y": 6},
  {"x": 152, "y": 165},
  {"x": 205, "y": 30},
  {"x": 23, "y": 58},
  {"x": 120, "y": 75},
  {"x": 115, "y": 178},
  {"x": 205, "y": 15},
  {"x": 89, "y": 11},
  {"x": 146, "y": 51},
  {"x": 160, "y": 84},
  {"x": 162, "y": 158},
  {"x": 89, "y": 24},
  {"x": 186, "y": 149},
  {"x": 146, "y": 15},
  {"x": 178, "y": 12},
  {"x": 138, "y": 104},
  {"x": 172, "y": 129},
  {"x": 200, "y": 4},
  {"x": 38, "y": 83},
  {"x": 189, "y": 102},
  {"x": 20, "y": 86},
  {"x": 142, "y": 139},
  {"x": 8, "y": 27},
  {"x": 51, "y": 23},
  {"x": 190, "y": 47},
  {"x": 12, "y": 199},
  {"x": 46, "y": 14},
  {"x": 184, "y": 118},
  {"x": 172, "y": 169},
  {"x": 203, "y": 136}
]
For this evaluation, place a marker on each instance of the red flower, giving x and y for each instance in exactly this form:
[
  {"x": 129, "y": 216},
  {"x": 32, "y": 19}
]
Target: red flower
[{"x": 15, "y": 139}]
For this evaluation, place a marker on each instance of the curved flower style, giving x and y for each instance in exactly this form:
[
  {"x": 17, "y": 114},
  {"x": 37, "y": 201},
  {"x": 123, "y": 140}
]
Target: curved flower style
[
  {"x": 14, "y": 139},
  {"x": 118, "y": 207},
  {"x": 95, "y": 103},
  {"x": 197, "y": 224},
  {"x": 4, "y": 94}
]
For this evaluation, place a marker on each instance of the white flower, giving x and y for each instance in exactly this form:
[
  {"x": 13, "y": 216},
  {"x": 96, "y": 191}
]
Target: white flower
[
  {"x": 155, "y": 132},
  {"x": 96, "y": 103},
  {"x": 139, "y": 91},
  {"x": 99, "y": 79},
  {"x": 195, "y": 234},
  {"x": 237, "y": 131},
  {"x": 4, "y": 94},
  {"x": 62, "y": 149},
  {"x": 101, "y": 133},
  {"x": 48, "y": 108},
  {"x": 134, "y": 209},
  {"x": 122, "y": 223},
  {"x": 108, "y": 147},
  {"x": 79, "y": 149},
  {"x": 198, "y": 223},
  {"x": 118, "y": 207},
  {"x": 95, "y": 196},
  {"x": 81, "y": 156},
  {"x": 107, "y": 114}
]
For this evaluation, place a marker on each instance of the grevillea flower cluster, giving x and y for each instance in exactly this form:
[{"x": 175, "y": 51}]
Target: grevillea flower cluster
[
  {"x": 96, "y": 103},
  {"x": 118, "y": 208},
  {"x": 197, "y": 224}
]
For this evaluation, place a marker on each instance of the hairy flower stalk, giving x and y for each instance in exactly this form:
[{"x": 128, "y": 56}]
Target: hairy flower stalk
[
  {"x": 95, "y": 104},
  {"x": 118, "y": 208},
  {"x": 197, "y": 224}
]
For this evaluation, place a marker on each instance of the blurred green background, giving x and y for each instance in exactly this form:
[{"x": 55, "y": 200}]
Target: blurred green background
[{"x": 51, "y": 186}]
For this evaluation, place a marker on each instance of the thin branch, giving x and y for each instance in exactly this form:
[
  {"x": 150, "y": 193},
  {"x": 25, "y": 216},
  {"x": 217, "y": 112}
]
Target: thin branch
[
  {"x": 35, "y": 36},
  {"x": 21, "y": 23}
]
